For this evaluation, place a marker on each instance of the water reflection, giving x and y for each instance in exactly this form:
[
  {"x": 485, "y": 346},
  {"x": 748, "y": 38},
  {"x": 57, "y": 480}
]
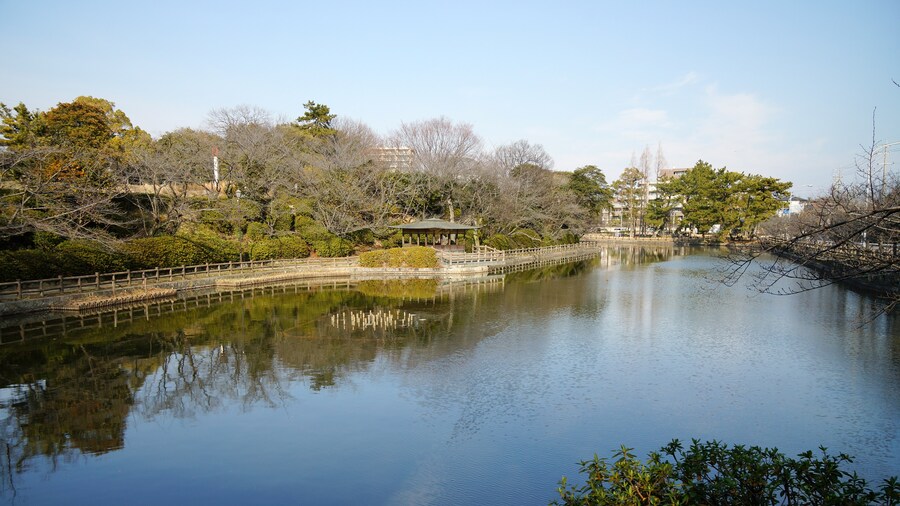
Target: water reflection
[{"x": 546, "y": 347}]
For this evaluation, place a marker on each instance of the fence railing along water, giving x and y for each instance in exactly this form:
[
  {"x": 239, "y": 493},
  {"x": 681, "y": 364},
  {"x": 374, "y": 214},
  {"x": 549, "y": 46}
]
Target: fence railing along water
[
  {"x": 18, "y": 290},
  {"x": 67, "y": 285}
]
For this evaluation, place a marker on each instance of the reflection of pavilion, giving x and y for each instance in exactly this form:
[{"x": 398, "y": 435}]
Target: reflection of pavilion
[
  {"x": 439, "y": 234},
  {"x": 375, "y": 319}
]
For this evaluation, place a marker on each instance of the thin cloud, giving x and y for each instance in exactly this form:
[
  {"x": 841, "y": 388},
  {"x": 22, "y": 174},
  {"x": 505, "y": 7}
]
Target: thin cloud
[{"x": 671, "y": 87}]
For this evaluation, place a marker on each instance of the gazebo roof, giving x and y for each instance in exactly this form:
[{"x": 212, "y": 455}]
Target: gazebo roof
[{"x": 434, "y": 224}]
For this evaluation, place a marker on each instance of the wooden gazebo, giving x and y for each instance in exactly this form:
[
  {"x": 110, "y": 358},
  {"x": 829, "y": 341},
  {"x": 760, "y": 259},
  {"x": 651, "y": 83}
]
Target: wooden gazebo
[{"x": 439, "y": 234}]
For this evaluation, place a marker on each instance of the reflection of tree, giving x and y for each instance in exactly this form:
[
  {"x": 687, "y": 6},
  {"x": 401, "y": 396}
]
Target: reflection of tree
[
  {"x": 79, "y": 405},
  {"x": 76, "y": 390}
]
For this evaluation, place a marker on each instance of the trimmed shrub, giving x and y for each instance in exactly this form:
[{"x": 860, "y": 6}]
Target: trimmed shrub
[
  {"x": 499, "y": 241},
  {"x": 311, "y": 230},
  {"x": 333, "y": 247},
  {"x": 28, "y": 264},
  {"x": 166, "y": 251},
  {"x": 218, "y": 249},
  {"x": 46, "y": 240},
  {"x": 256, "y": 231},
  {"x": 288, "y": 246},
  {"x": 420, "y": 257},
  {"x": 84, "y": 257}
]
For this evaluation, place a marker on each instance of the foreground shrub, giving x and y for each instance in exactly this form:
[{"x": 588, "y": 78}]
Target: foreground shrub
[
  {"x": 420, "y": 257},
  {"x": 713, "y": 473}
]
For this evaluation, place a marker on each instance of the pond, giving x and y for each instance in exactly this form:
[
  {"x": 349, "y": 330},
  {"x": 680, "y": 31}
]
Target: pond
[{"x": 420, "y": 392}]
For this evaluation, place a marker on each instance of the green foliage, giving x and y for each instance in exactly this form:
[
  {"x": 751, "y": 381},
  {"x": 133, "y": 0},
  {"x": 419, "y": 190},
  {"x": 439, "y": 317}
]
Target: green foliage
[
  {"x": 420, "y": 257},
  {"x": 591, "y": 190},
  {"x": 288, "y": 246},
  {"x": 46, "y": 240},
  {"x": 85, "y": 257},
  {"x": 524, "y": 238},
  {"x": 714, "y": 473},
  {"x": 316, "y": 120},
  {"x": 166, "y": 251},
  {"x": 311, "y": 230},
  {"x": 68, "y": 258},
  {"x": 736, "y": 201},
  {"x": 19, "y": 127},
  {"x": 256, "y": 231},
  {"x": 333, "y": 247},
  {"x": 219, "y": 249},
  {"x": 499, "y": 241},
  {"x": 28, "y": 264}
]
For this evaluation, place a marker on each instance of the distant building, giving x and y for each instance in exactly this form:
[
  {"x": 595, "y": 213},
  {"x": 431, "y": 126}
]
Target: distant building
[
  {"x": 795, "y": 205},
  {"x": 395, "y": 158}
]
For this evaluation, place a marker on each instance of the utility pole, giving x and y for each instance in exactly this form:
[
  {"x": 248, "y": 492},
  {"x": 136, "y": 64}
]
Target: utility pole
[{"x": 884, "y": 164}]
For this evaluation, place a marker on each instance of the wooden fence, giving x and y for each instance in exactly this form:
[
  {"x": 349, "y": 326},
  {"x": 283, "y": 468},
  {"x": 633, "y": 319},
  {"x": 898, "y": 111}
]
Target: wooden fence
[{"x": 18, "y": 290}]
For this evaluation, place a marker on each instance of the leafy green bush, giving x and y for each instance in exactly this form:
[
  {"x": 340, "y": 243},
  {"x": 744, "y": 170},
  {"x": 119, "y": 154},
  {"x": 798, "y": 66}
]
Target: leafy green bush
[
  {"x": 256, "y": 231},
  {"x": 311, "y": 230},
  {"x": 289, "y": 246},
  {"x": 166, "y": 251},
  {"x": 28, "y": 264},
  {"x": 421, "y": 257},
  {"x": 78, "y": 257},
  {"x": 333, "y": 247},
  {"x": 219, "y": 249},
  {"x": 499, "y": 241},
  {"x": 713, "y": 473},
  {"x": 46, "y": 240}
]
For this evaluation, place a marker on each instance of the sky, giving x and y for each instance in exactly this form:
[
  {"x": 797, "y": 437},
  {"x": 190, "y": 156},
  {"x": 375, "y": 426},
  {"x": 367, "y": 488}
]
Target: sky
[{"x": 779, "y": 88}]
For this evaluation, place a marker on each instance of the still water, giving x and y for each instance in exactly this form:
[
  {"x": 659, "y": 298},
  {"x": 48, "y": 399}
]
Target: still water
[{"x": 420, "y": 393}]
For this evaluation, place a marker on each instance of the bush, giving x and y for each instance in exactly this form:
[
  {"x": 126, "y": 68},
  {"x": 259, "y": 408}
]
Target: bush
[
  {"x": 333, "y": 247},
  {"x": 219, "y": 249},
  {"x": 421, "y": 257},
  {"x": 713, "y": 473},
  {"x": 84, "y": 257},
  {"x": 257, "y": 231},
  {"x": 311, "y": 230},
  {"x": 28, "y": 264},
  {"x": 166, "y": 251},
  {"x": 499, "y": 241},
  {"x": 289, "y": 246},
  {"x": 46, "y": 240}
]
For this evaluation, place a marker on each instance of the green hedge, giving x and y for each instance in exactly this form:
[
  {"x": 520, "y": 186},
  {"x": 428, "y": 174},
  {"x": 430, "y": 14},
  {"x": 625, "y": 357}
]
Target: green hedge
[
  {"x": 289, "y": 246},
  {"x": 68, "y": 258},
  {"x": 166, "y": 251},
  {"x": 421, "y": 257},
  {"x": 85, "y": 257},
  {"x": 333, "y": 247}
]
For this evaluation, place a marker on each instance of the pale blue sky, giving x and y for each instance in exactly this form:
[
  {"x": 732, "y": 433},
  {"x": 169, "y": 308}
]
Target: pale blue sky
[{"x": 780, "y": 88}]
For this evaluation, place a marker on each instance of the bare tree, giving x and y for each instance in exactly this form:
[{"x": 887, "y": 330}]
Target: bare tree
[
  {"x": 521, "y": 152},
  {"x": 440, "y": 147},
  {"x": 850, "y": 235}
]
